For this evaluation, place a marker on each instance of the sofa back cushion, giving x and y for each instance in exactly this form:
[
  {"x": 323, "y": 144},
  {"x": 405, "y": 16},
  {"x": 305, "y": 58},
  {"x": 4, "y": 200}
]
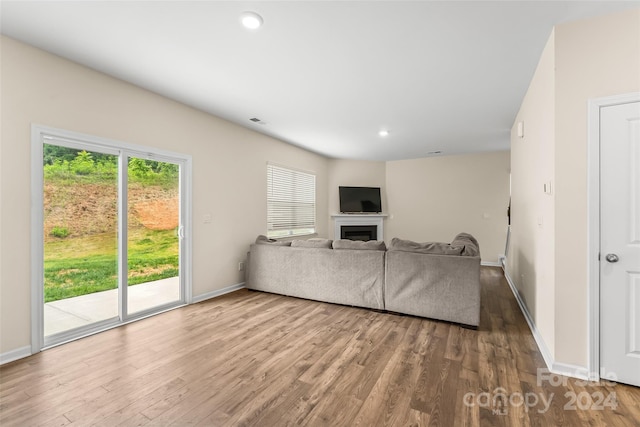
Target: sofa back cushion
[
  {"x": 425, "y": 248},
  {"x": 468, "y": 242},
  {"x": 371, "y": 245},
  {"x": 264, "y": 240},
  {"x": 312, "y": 243}
]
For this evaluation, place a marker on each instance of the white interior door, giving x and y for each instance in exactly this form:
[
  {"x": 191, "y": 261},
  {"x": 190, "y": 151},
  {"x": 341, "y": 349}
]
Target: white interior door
[{"x": 620, "y": 243}]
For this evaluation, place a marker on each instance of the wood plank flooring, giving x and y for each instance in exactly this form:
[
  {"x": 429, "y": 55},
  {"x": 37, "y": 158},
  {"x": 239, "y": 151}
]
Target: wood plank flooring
[{"x": 251, "y": 358}]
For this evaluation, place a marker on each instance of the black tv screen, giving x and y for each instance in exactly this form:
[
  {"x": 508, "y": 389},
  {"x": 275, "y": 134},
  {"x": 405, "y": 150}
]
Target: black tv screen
[{"x": 360, "y": 199}]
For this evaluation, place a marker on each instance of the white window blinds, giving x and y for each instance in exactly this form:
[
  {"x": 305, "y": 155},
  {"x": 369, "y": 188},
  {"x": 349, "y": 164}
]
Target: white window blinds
[{"x": 291, "y": 202}]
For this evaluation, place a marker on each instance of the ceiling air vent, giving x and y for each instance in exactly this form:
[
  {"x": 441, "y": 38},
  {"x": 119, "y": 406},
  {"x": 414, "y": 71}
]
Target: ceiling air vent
[{"x": 258, "y": 121}]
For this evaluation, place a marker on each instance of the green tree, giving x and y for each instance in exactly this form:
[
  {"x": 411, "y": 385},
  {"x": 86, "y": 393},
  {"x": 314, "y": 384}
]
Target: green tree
[
  {"x": 55, "y": 153},
  {"x": 139, "y": 168},
  {"x": 83, "y": 163},
  {"x": 169, "y": 170}
]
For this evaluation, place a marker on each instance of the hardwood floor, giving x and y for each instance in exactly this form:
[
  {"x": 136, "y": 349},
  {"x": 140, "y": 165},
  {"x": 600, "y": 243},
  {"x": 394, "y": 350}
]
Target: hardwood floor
[{"x": 251, "y": 358}]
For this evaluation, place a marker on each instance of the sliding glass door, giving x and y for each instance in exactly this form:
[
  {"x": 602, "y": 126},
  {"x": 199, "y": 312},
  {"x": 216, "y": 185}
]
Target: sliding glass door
[
  {"x": 80, "y": 231},
  {"x": 153, "y": 234},
  {"x": 109, "y": 234}
]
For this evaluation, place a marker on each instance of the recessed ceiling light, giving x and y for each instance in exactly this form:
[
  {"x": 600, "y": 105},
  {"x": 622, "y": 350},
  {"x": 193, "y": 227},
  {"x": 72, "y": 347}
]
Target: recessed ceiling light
[
  {"x": 383, "y": 133},
  {"x": 251, "y": 20}
]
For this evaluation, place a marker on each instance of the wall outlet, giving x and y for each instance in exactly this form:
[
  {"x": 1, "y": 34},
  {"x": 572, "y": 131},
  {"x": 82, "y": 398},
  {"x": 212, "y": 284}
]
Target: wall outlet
[{"x": 241, "y": 266}]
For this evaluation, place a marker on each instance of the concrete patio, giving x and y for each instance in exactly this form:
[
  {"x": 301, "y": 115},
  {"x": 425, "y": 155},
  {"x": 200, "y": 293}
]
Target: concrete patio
[{"x": 69, "y": 313}]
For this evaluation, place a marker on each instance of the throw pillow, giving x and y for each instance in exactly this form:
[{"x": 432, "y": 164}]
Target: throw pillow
[
  {"x": 471, "y": 247},
  {"x": 371, "y": 245},
  {"x": 425, "y": 248},
  {"x": 312, "y": 243},
  {"x": 264, "y": 240}
]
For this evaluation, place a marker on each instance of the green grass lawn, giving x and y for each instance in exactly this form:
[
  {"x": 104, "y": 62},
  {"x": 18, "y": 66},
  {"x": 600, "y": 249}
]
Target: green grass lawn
[{"x": 83, "y": 265}]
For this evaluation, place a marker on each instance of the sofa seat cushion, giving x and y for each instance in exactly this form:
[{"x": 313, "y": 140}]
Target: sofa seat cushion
[
  {"x": 425, "y": 248},
  {"x": 371, "y": 245}
]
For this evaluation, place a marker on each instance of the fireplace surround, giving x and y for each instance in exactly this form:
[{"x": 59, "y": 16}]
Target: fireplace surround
[{"x": 359, "y": 226}]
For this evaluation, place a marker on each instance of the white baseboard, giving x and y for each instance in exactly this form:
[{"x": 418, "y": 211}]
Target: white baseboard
[
  {"x": 218, "y": 292},
  {"x": 491, "y": 264},
  {"x": 542, "y": 346},
  {"x": 570, "y": 370},
  {"x": 16, "y": 354},
  {"x": 553, "y": 366}
]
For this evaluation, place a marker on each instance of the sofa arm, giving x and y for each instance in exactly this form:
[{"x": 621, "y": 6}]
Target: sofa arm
[{"x": 441, "y": 287}]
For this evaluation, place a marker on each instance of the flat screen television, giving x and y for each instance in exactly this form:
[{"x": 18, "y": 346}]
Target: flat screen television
[{"x": 360, "y": 200}]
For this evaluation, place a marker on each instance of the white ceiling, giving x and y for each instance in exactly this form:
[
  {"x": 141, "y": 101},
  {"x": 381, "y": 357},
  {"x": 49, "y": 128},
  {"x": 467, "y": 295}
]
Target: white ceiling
[{"x": 325, "y": 75}]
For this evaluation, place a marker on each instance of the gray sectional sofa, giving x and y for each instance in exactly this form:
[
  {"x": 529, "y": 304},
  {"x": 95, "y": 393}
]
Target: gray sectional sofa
[{"x": 433, "y": 280}]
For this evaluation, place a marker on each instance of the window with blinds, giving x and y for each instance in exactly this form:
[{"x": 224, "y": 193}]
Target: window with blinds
[{"x": 291, "y": 202}]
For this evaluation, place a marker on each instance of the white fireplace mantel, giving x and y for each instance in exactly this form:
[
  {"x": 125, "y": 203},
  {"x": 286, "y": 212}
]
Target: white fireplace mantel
[{"x": 359, "y": 219}]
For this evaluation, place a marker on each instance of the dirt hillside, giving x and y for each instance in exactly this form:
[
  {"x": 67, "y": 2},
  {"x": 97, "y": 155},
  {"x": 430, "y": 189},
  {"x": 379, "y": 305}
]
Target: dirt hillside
[{"x": 91, "y": 208}]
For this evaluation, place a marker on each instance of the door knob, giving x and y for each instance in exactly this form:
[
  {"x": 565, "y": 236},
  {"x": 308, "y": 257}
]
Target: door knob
[{"x": 612, "y": 258}]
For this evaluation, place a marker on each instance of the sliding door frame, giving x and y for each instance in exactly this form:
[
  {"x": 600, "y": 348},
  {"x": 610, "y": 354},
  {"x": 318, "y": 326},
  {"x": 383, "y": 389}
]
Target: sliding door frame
[{"x": 41, "y": 135}]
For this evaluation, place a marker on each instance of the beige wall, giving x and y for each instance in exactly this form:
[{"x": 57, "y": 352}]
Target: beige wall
[
  {"x": 591, "y": 58},
  {"x": 435, "y": 198},
  {"x": 594, "y": 58},
  {"x": 229, "y": 167},
  {"x": 531, "y": 258}
]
